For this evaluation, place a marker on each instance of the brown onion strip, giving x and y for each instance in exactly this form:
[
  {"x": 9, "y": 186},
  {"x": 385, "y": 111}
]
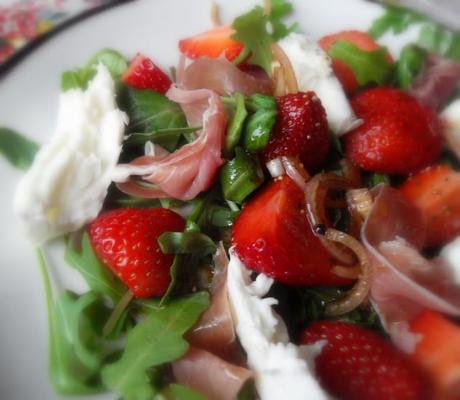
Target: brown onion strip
[
  {"x": 296, "y": 171},
  {"x": 215, "y": 16},
  {"x": 360, "y": 290},
  {"x": 351, "y": 172},
  {"x": 287, "y": 72},
  {"x": 316, "y": 197}
]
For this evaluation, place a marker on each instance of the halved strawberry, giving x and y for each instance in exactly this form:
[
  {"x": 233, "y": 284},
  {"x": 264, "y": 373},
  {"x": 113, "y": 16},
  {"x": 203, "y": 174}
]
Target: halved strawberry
[
  {"x": 438, "y": 352},
  {"x": 357, "y": 364},
  {"x": 301, "y": 130},
  {"x": 399, "y": 135},
  {"x": 436, "y": 192},
  {"x": 142, "y": 73},
  {"x": 214, "y": 43},
  {"x": 361, "y": 40},
  {"x": 125, "y": 240},
  {"x": 272, "y": 235}
]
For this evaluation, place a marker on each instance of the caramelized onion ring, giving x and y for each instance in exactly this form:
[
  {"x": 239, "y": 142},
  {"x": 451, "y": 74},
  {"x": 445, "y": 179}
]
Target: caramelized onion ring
[
  {"x": 296, "y": 171},
  {"x": 316, "y": 197},
  {"x": 351, "y": 172},
  {"x": 361, "y": 288},
  {"x": 284, "y": 72}
]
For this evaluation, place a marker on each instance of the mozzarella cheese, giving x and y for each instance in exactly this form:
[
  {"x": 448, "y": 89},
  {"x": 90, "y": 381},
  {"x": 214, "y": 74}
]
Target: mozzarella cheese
[
  {"x": 451, "y": 254},
  {"x": 451, "y": 119},
  {"x": 68, "y": 181},
  {"x": 312, "y": 68},
  {"x": 282, "y": 369}
]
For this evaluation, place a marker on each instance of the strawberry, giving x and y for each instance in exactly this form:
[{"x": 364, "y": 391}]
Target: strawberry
[
  {"x": 356, "y": 363},
  {"x": 301, "y": 129},
  {"x": 142, "y": 73},
  {"x": 398, "y": 135},
  {"x": 272, "y": 235},
  {"x": 125, "y": 240},
  {"x": 438, "y": 352},
  {"x": 436, "y": 192},
  {"x": 213, "y": 43},
  {"x": 362, "y": 41}
]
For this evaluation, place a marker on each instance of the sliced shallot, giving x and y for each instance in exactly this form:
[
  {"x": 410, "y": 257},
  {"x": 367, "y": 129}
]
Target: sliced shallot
[{"x": 361, "y": 288}]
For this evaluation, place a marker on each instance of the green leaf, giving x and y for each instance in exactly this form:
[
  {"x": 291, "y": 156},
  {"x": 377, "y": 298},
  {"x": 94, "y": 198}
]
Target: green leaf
[
  {"x": 409, "y": 65},
  {"x": 179, "y": 392},
  {"x": 258, "y": 128},
  {"x": 219, "y": 216},
  {"x": 453, "y": 51},
  {"x": 173, "y": 271},
  {"x": 72, "y": 80},
  {"x": 235, "y": 127},
  {"x": 433, "y": 37},
  {"x": 372, "y": 179},
  {"x": 396, "y": 20},
  {"x": 258, "y": 101},
  {"x": 156, "y": 340},
  {"x": 251, "y": 31},
  {"x": 279, "y": 10},
  {"x": 241, "y": 176},
  {"x": 160, "y": 135},
  {"x": 17, "y": 149},
  {"x": 198, "y": 244},
  {"x": 98, "y": 276},
  {"x": 79, "y": 78},
  {"x": 367, "y": 66},
  {"x": 151, "y": 112},
  {"x": 336, "y": 143}
]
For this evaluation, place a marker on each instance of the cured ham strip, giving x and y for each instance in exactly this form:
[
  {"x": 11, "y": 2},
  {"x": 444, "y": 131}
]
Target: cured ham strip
[
  {"x": 214, "y": 331},
  {"x": 404, "y": 282},
  {"x": 210, "y": 375},
  {"x": 190, "y": 169},
  {"x": 437, "y": 82},
  {"x": 223, "y": 77}
]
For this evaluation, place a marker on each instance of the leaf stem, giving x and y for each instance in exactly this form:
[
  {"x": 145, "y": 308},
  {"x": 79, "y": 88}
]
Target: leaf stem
[{"x": 120, "y": 307}]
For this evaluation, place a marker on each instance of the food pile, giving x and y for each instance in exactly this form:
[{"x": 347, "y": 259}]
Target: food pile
[{"x": 276, "y": 217}]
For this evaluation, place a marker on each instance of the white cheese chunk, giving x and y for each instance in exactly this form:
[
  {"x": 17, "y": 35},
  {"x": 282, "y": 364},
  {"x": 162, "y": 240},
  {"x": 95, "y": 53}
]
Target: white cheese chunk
[
  {"x": 451, "y": 254},
  {"x": 68, "y": 180},
  {"x": 313, "y": 71},
  {"x": 282, "y": 369}
]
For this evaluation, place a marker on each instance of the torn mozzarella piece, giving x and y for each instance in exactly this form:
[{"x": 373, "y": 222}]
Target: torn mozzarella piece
[
  {"x": 451, "y": 119},
  {"x": 313, "y": 71},
  {"x": 68, "y": 180},
  {"x": 451, "y": 254},
  {"x": 282, "y": 369}
]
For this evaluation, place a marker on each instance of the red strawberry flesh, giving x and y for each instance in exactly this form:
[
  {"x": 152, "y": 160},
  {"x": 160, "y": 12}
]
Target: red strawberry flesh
[{"x": 126, "y": 241}]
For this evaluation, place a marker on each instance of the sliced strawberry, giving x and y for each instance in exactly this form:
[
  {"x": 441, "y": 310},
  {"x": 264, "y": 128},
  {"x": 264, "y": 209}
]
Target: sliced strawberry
[
  {"x": 126, "y": 241},
  {"x": 438, "y": 352},
  {"x": 214, "y": 43},
  {"x": 436, "y": 192},
  {"x": 356, "y": 363},
  {"x": 398, "y": 135},
  {"x": 272, "y": 235},
  {"x": 362, "y": 41},
  {"x": 301, "y": 129},
  {"x": 142, "y": 73}
]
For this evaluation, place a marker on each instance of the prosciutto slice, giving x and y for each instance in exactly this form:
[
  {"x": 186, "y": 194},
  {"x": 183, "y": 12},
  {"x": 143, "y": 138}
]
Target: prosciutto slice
[
  {"x": 403, "y": 281},
  {"x": 437, "y": 82},
  {"x": 190, "y": 169},
  {"x": 210, "y": 375},
  {"x": 223, "y": 77},
  {"x": 214, "y": 331}
]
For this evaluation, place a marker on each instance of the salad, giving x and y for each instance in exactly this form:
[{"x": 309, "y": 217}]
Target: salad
[{"x": 275, "y": 217}]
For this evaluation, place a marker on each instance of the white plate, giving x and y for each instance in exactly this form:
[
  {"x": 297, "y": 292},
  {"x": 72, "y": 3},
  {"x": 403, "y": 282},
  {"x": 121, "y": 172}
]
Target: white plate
[{"x": 28, "y": 103}]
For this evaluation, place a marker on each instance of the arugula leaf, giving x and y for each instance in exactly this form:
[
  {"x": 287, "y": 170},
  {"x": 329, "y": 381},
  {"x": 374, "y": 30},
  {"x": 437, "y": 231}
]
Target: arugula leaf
[
  {"x": 235, "y": 128},
  {"x": 396, "y": 20},
  {"x": 251, "y": 30},
  {"x": 160, "y": 135},
  {"x": 280, "y": 9},
  {"x": 153, "y": 113},
  {"x": 79, "y": 78},
  {"x": 198, "y": 244},
  {"x": 156, "y": 340},
  {"x": 433, "y": 37},
  {"x": 76, "y": 346},
  {"x": 372, "y": 179},
  {"x": 453, "y": 51},
  {"x": 409, "y": 65},
  {"x": 367, "y": 66},
  {"x": 17, "y": 149},
  {"x": 179, "y": 392},
  {"x": 98, "y": 277}
]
